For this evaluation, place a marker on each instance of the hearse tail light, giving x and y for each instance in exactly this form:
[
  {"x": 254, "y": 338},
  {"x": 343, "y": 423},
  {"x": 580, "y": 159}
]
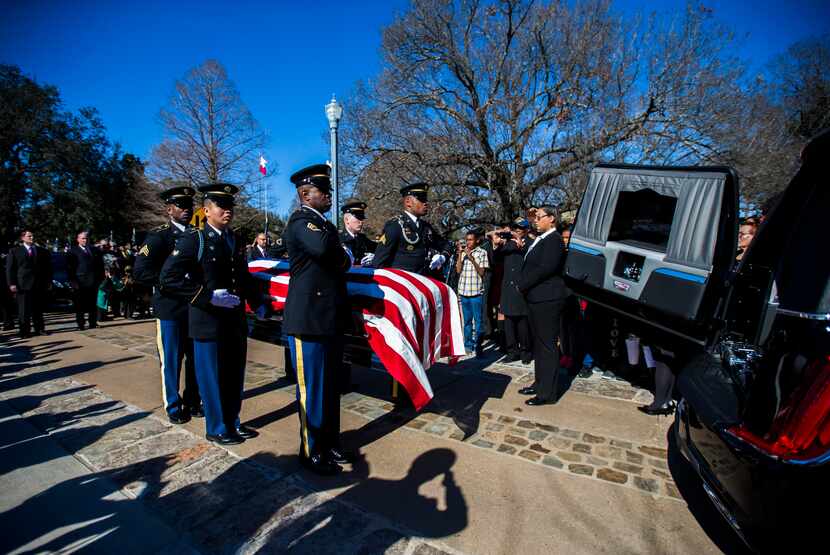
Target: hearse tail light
[{"x": 801, "y": 429}]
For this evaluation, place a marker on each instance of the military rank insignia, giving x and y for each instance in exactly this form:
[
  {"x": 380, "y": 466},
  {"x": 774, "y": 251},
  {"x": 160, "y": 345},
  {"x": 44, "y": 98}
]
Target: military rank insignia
[
  {"x": 382, "y": 239},
  {"x": 145, "y": 251},
  {"x": 410, "y": 248},
  {"x": 312, "y": 227}
]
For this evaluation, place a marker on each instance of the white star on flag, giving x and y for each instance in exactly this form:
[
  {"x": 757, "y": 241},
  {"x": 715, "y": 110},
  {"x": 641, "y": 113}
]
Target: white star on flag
[{"x": 262, "y": 163}]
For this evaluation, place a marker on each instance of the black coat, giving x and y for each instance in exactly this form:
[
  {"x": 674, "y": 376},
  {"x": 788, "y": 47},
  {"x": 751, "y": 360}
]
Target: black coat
[
  {"x": 512, "y": 302},
  {"x": 359, "y": 245},
  {"x": 406, "y": 246},
  {"x": 201, "y": 263},
  {"x": 316, "y": 302},
  {"x": 541, "y": 275},
  {"x": 254, "y": 254},
  {"x": 157, "y": 247},
  {"x": 87, "y": 269},
  {"x": 29, "y": 273}
]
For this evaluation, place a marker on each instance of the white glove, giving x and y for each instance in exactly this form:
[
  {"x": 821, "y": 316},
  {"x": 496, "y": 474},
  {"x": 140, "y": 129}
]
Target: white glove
[
  {"x": 367, "y": 259},
  {"x": 260, "y": 313},
  {"x": 223, "y": 299},
  {"x": 437, "y": 261},
  {"x": 349, "y": 254}
]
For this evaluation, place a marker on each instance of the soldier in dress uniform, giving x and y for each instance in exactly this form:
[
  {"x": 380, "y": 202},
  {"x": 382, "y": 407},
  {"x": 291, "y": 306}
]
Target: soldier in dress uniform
[
  {"x": 208, "y": 269},
  {"x": 410, "y": 243},
  {"x": 316, "y": 315},
  {"x": 352, "y": 236},
  {"x": 174, "y": 343}
]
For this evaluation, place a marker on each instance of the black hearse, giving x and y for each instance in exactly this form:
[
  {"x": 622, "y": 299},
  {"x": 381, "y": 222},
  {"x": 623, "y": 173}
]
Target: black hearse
[{"x": 656, "y": 246}]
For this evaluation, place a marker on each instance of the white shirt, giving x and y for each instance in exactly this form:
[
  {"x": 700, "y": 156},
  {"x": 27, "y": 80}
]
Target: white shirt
[
  {"x": 261, "y": 250},
  {"x": 539, "y": 239},
  {"x": 179, "y": 226},
  {"x": 414, "y": 218}
]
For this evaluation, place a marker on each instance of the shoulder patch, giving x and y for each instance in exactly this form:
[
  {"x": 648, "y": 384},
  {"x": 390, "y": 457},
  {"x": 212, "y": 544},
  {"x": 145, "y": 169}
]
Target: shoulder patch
[
  {"x": 312, "y": 227},
  {"x": 175, "y": 252},
  {"x": 382, "y": 239},
  {"x": 145, "y": 251}
]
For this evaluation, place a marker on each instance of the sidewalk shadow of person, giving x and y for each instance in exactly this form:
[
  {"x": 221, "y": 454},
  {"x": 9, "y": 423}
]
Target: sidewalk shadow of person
[{"x": 405, "y": 512}]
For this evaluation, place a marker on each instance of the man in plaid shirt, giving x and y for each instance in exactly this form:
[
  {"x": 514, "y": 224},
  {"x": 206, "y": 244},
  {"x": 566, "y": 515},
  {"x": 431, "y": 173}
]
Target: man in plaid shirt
[{"x": 471, "y": 263}]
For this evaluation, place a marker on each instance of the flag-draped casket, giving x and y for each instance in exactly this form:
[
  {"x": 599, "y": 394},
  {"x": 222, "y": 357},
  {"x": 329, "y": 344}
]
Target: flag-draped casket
[{"x": 410, "y": 321}]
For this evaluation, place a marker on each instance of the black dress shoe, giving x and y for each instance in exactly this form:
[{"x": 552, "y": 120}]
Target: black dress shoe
[
  {"x": 536, "y": 401},
  {"x": 246, "y": 432},
  {"x": 527, "y": 359},
  {"x": 509, "y": 358},
  {"x": 529, "y": 390},
  {"x": 318, "y": 464},
  {"x": 225, "y": 439},
  {"x": 338, "y": 456},
  {"x": 659, "y": 411},
  {"x": 197, "y": 412},
  {"x": 179, "y": 417}
]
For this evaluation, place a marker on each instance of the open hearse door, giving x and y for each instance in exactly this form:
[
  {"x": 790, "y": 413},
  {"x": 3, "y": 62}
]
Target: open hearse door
[{"x": 656, "y": 244}]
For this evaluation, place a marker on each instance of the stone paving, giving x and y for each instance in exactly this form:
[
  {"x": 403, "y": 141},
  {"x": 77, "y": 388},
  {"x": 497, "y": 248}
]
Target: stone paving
[
  {"x": 220, "y": 502},
  {"x": 613, "y": 460}
]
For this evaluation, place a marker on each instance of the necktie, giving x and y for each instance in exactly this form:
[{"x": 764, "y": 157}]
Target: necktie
[{"x": 30, "y": 251}]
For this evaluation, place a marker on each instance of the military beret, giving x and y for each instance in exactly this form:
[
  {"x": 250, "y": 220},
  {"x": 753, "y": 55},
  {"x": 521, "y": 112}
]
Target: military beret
[
  {"x": 355, "y": 207},
  {"x": 415, "y": 189},
  {"x": 174, "y": 194},
  {"x": 318, "y": 175}
]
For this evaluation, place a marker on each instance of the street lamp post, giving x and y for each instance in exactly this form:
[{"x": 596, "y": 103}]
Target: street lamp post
[{"x": 333, "y": 112}]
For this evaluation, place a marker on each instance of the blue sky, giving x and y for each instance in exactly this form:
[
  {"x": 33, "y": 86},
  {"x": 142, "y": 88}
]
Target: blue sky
[{"x": 286, "y": 57}]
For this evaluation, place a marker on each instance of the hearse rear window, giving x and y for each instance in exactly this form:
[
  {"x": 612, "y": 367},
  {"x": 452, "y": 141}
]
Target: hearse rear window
[{"x": 643, "y": 218}]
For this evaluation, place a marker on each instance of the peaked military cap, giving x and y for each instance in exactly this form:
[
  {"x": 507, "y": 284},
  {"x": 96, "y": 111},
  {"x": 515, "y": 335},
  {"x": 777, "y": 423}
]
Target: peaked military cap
[
  {"x": 174, "y": 194},
  {"x": 221, "y": 193},
  {"x": 355, "y": 207},
  {"x": 520, "y": 223},
  {"x": 318, "y": 175},
  {"x": 415, "y": 189}
]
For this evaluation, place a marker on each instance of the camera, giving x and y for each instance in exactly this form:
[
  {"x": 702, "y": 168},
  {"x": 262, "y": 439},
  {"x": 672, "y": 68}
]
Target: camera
[{"x": 505, "y": 234}]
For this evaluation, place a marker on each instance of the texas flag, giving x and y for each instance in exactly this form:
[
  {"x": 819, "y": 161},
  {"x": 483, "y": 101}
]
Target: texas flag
[{"x": 262, "y": 163}]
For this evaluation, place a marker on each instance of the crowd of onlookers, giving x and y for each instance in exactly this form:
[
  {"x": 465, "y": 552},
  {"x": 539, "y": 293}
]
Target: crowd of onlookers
[{"x": 95, "y": 277}]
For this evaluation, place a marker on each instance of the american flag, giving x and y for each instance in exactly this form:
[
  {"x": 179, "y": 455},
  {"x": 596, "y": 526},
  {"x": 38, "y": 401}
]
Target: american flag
[{"x": 410, "y": 321}]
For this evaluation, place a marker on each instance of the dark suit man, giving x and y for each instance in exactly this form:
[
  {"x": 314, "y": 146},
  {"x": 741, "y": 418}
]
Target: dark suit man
[
  {"x": 85, "y": 269},
  {"x": 544, "y": 290},
  {"x": 260, "y": 248},
  {"x": 316, "y": 315},
  {"x": 352, "y": 236},
  {"x": 29, "y": 277},
  {"x": 513, "y": 305},
  {"x": 171, "y": 311},
  {"x": 410, "y": 243},
  {"x": 208, "y": 269}
]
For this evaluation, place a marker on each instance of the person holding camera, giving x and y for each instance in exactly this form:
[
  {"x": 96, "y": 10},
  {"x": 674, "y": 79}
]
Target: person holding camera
[{"x": 513, "y": 306}]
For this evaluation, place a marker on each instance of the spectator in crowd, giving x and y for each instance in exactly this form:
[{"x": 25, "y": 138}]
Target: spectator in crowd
[
  {"x": 259, "y": 249},
  {"x": 566, "y": 234},
  {"x": 544, "y": 290},
  {"x": 746, "y": 233},
  {"x": 85, "y": 269},
  {"x": 496, "y": 273},
  {"x": 517, "y": 340},
  {"x": 471, "y": 265},
  {"x": 29, "y": 277},
  {"x": 107, "y": 290}
]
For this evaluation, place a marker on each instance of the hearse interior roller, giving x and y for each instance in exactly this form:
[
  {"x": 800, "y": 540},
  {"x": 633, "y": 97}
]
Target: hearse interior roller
[{"x": 656, "y": 243}]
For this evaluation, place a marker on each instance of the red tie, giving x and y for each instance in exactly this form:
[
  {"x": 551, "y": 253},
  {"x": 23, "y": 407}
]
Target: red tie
[{"x": 30, "y": 251}]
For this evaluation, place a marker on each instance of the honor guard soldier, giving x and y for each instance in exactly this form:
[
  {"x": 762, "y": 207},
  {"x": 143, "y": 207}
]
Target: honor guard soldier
[
  {"x": 174, "y": 343},
  {"x": 208, "y": 269},
  {"x": 408, "y": 242},
  {"x": 352, "y": 236},
  {"x": 316, "y": 315}
]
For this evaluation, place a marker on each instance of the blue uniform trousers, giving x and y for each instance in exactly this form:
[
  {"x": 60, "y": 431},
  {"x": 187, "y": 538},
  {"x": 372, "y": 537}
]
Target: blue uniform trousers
[
  {"x": 174, "y": 345},
  {"x": 317, "y": 361},
  {"x": 220, "y": 368}
]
